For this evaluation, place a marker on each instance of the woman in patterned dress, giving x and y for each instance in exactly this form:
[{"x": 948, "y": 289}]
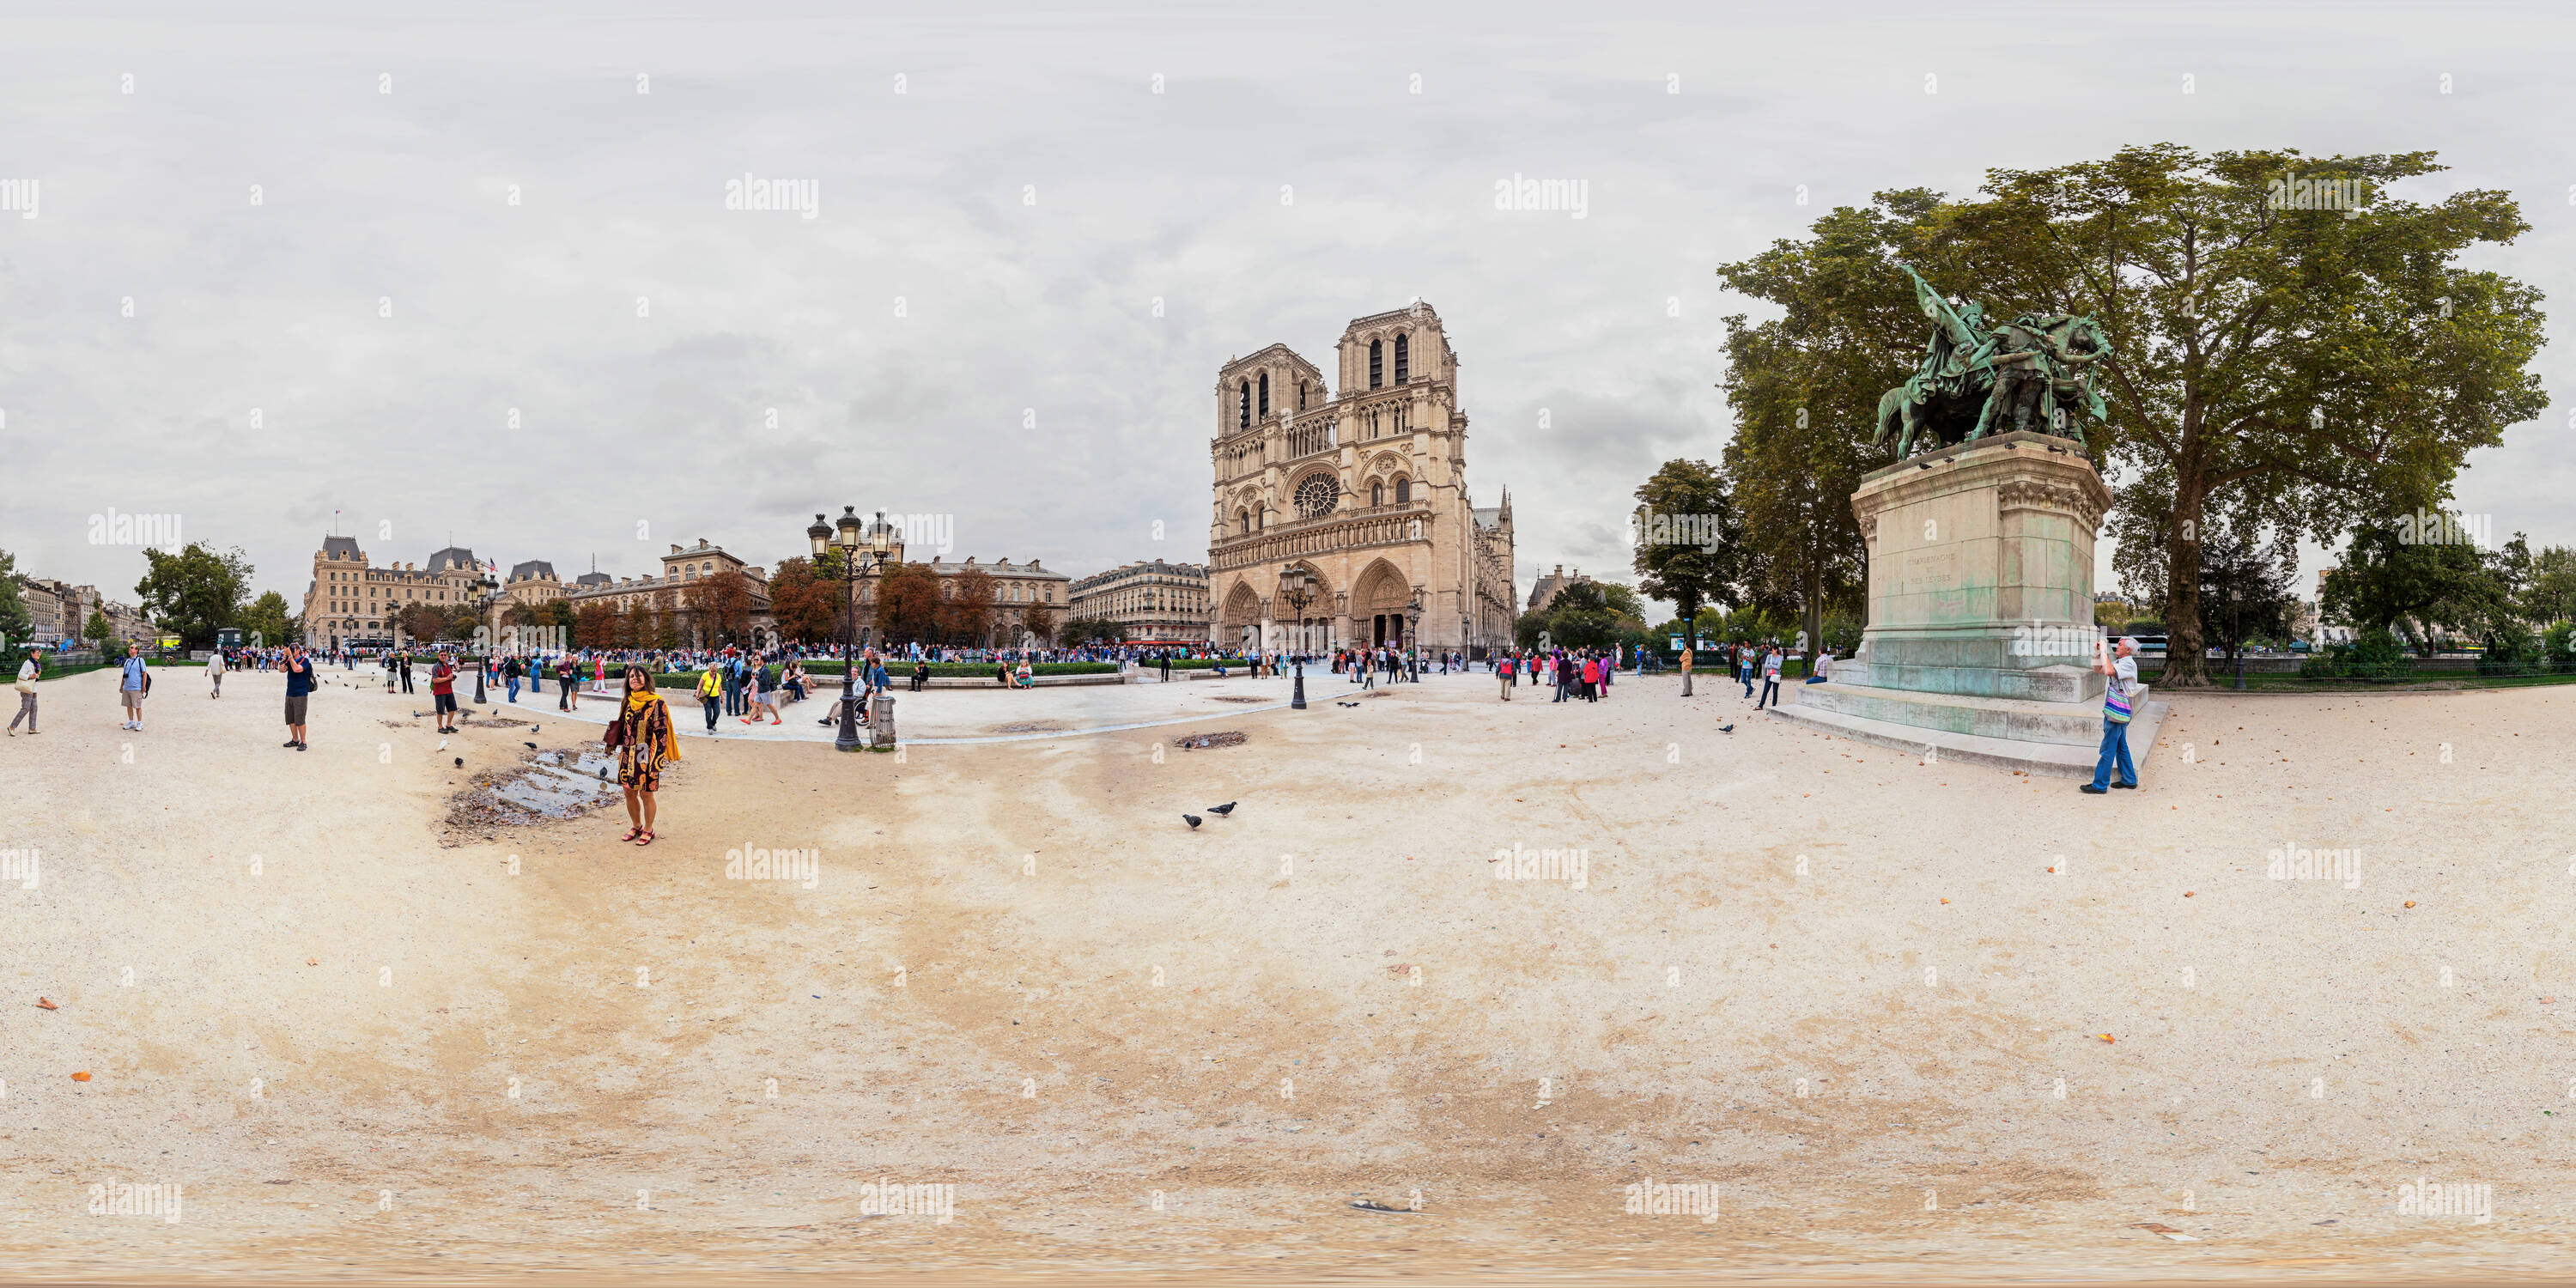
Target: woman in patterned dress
[{"x": 644, "y": 739}]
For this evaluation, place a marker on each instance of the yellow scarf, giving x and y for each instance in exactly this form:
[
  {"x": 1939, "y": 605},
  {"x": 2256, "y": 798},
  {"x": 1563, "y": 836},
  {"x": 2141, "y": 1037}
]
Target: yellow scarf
[{"x": 637, "y": 701}]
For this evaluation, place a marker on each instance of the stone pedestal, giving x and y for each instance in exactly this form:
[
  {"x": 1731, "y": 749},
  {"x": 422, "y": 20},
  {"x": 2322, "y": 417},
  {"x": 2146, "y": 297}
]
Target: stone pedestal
[{"x": 1980, "y": 638}]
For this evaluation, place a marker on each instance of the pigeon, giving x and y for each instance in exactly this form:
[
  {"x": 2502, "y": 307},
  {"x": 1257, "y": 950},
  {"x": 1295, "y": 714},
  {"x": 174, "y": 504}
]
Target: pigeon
[
  {"x": 1726, "y": 728},
  {"x": 1222, "y": 810},
  {"x": 1191, "y": 819},
  {"x": 1346, "y": 704},
  {"x": 460, "y": 762},
  {"x": 536, "y": 728},
  {"x": 529, "y": 745}
]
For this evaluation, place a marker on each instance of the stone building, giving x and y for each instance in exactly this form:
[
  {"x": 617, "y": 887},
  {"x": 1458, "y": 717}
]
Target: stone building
[
  {"x": 352, "y": 602},
  {"x": 1017, "y": 588},
  {"x": 682, "y": 567},
  {"x": 1365, "y": 491},
  {"x": 58, "y": 615},
  {"x": 1544, "y": 591},
  {"x": 1149, "y": 600},
  {"x": 532, "y": 582}
]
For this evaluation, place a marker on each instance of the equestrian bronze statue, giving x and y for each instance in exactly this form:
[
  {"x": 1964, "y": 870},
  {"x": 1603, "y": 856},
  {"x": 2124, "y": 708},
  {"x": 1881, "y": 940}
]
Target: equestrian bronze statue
[{"x": 2032, "y": 373}]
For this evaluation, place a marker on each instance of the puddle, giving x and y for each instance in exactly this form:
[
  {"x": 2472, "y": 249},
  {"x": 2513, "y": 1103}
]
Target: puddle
[{"x": 543, "y": 786}]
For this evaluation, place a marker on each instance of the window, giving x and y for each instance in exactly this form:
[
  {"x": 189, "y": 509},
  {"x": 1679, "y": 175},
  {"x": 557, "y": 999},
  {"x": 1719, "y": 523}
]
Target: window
[
  {"x": 1265, "y": 393},
  {"x": 1244, "y": 518},
  {"x": 1243, "y": 406},
  {"x": 1403, "y": 491},
  {"x": 1301, "y": 395},
  {"x": 1377, "y": 356},
  {"x": 1377, "y": 494},
  {"x": 1403, "y": 365},
  {"x": 1317, "y": 495}
]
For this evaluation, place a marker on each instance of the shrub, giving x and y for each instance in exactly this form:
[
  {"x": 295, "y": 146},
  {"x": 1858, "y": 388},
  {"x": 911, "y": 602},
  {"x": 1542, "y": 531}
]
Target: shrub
[
  {"x": 2512, "y": 650},
  {"x": 898, "y": 668},
  {"x": 2374, "y": 655}
]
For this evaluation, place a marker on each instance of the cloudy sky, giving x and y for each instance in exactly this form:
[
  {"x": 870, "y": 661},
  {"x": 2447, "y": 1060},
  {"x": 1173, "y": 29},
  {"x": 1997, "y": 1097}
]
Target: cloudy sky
[{"x": 465, "y": 213}]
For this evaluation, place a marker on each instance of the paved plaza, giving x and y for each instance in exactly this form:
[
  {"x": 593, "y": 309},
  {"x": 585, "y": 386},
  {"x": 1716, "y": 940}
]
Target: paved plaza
[{"x": 1834, "y": 978}]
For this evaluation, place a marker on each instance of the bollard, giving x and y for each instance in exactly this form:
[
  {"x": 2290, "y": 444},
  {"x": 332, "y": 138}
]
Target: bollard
[{"x": 881, "y": 723}]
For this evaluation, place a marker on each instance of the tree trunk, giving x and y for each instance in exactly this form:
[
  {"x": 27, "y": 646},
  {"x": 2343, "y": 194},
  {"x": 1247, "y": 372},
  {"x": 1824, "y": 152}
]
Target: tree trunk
[
  {"x": 2183, "y": 662},
  {"x": 1815, "y": 611}
]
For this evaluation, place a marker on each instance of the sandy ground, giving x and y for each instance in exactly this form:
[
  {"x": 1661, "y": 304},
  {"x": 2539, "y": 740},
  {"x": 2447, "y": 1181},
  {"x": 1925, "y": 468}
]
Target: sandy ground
[{"x": 1837, "y": 985}]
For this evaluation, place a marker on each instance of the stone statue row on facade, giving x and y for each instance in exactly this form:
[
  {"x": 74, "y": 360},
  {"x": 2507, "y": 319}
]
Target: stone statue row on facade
[{"x": 2032, "y": 373}]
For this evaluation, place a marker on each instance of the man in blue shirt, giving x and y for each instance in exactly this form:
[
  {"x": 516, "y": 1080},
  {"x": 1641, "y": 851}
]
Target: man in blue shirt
[
  {"x": 299, "y": 687},
  {"x": 136, "y": 682}
]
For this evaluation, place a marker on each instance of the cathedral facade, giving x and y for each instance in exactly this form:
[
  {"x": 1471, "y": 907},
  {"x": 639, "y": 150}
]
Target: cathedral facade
[{"x": 1346, "y": 520}]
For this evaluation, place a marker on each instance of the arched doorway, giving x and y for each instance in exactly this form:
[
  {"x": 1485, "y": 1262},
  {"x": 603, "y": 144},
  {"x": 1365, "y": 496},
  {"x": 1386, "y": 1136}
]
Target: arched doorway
[
  {"x": 1241, "y": 623},
  {"x": 1379, "y": 600}
]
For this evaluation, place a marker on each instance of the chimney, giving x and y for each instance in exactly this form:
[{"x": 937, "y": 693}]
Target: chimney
[{"x": 675, "y": 548}]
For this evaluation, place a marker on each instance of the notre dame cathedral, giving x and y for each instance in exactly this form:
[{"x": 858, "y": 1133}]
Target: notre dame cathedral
[{"x": 1346, "y": 520}]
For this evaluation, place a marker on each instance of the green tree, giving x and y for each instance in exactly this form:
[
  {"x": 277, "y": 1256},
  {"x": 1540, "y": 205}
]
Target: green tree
[
  {"x": 1686, "y": 542},
  {"x": 2244, "y": 589},
  {"x": 2551, "y": 594},
  {"x": 2385, "y": 582},
  {"x": 267, "y": 620},
  {"x": 2282, "y": 369},
  {"x": 96, "y": 628},
  {"x": 1804, "y": 390},
  {"x": 195, "y": 592},
  {"x": 15, "y": 621},
  {"x": 2279, "y": 368}
]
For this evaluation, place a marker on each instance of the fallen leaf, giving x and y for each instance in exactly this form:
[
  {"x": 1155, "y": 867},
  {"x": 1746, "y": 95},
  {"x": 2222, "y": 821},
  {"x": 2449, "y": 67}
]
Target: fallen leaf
[
  {"x": 2410, "y": 903},
  {"x": 47, "y": 1003},
  {"x": 2167, "y": 1231},
  {"x": 82, "y": 1076},
  {"x": 2106, "y": 1037}
]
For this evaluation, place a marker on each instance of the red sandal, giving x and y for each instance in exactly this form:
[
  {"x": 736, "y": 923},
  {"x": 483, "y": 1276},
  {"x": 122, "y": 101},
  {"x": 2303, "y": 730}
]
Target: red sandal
[
  {"x": 632, "y": 835},
  {"x": 648, "y": 839}
]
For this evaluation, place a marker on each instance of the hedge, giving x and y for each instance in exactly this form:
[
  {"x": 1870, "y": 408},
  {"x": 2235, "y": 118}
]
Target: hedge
[{"x": 902, "y": 667}]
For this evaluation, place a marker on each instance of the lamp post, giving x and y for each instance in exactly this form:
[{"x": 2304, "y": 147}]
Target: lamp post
[
  {"x": 488, "y": 587},
  {"x": 1413, "y": 635},
  {"x": 843, "y": 549},
  {"x": 1297, "y": 586}
]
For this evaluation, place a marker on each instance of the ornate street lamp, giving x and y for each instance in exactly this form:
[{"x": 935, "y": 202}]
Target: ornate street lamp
[
  {"x": 1297, "y": 586},
  {"x": 488, "y": 587},
  {"x": 852, "y": 550},
  {"x": 1413, "y": 635}
]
